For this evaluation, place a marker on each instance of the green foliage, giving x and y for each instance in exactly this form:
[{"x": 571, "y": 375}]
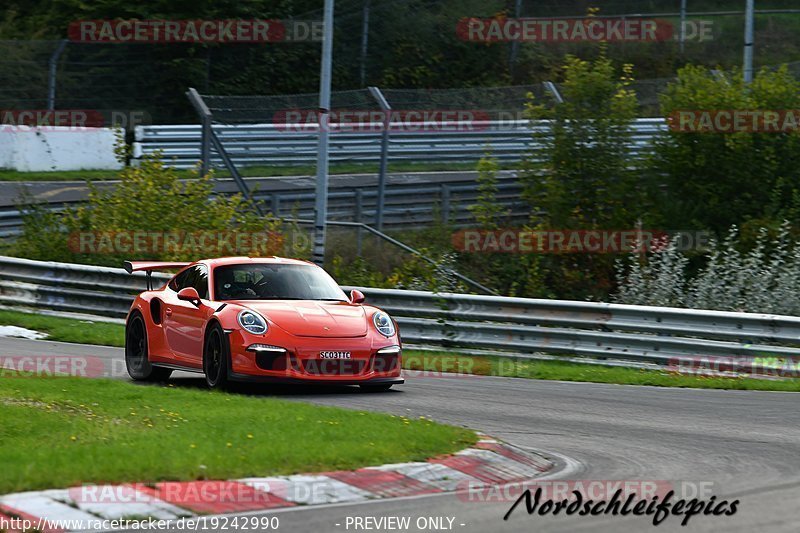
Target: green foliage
[
  {"x": 487, "y": 211},
  {"x": 148, "y": 198},
  {"x": 714, "y": 180},
  {"x": 580, "y": 177},
  {"x": 736, "y": 275}
]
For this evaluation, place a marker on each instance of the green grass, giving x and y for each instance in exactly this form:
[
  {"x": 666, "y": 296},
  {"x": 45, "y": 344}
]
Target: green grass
[
  {"x": 67, "y": 329},
  {"x": 71, "y": 330},
  {"x": 429, "y": 362},
  {"x": 59, "y": 432},
  {"x": 300, "y": 170}
]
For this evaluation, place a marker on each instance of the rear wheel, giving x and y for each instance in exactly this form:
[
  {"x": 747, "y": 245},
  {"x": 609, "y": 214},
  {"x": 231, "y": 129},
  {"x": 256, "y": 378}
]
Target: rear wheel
[
  {"x": 379, "y": 387},
  {"x": 215, "y": 358},
  {"x": 137, "y": 360}
]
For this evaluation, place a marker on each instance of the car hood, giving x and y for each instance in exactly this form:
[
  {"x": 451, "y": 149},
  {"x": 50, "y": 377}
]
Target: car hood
[{"x": 308, "y": 318}]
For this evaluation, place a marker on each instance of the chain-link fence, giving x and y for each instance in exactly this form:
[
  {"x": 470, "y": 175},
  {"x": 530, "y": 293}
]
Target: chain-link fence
[{"x": 408, "y": 48}]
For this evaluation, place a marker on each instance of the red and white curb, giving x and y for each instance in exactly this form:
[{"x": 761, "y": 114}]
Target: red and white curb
[{"x": 489, "y": 462}]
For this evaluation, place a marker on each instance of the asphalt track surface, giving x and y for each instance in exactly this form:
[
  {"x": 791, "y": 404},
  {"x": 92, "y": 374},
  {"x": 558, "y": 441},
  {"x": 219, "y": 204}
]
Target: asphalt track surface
[{"x": 738, "y": 444}]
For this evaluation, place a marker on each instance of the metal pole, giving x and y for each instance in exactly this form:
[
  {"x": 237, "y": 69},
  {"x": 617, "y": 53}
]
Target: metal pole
[
  {"x": 51, "y": 79},
  {"x": 387, "y": 122},
  {"x": 205, "y": 120},
  {"x": 683, "y": 24},
  {"x": 550, "y": 87},
  {"x": 514, "y": 44},
  {"x": 748, "y": 41},
  {"x": 321, "y": 203},
  {"x": 364, "y": 43}
]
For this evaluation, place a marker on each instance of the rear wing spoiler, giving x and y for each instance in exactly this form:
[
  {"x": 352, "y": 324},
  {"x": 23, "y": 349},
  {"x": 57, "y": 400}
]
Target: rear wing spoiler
[{"x": 149, "y": 266}]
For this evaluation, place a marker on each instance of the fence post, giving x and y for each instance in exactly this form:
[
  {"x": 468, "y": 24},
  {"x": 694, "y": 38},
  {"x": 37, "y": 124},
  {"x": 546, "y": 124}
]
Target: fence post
[
  {"x": 445, "y": 203},
  {"x": 359, "y": 216},
  {"x": 276, "y": 203},
  {"x": 387, "y": 120},
  {"x": 205, "y": 136},
  {"x": 53, "y": 70}
]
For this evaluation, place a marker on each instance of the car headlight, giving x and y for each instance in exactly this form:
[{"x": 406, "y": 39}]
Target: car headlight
[
  {"x": 383, "y": 323},
  {"x": 252, "y": 322}
]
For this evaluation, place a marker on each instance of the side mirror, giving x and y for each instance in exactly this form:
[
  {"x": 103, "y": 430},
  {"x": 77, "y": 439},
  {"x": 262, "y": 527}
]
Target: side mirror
[
  {"x": 356, "y": 296},
  {"x": 189, "y": 294}
]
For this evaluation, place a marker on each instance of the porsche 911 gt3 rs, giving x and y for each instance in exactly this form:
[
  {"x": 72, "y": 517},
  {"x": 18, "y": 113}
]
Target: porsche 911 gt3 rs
[{"x": 258, "y": 319}]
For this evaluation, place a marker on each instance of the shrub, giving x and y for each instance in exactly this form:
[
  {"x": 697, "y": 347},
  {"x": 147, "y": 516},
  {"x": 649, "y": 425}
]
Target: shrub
[
  {"x": 148, "y": 198},
  {"x": 715, "y": 180},
  {"x": 764, "y": 279}
]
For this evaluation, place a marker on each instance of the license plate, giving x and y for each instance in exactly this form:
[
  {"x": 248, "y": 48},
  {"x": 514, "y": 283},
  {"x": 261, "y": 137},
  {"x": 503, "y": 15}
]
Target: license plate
[{"x": 334, "y": 355}]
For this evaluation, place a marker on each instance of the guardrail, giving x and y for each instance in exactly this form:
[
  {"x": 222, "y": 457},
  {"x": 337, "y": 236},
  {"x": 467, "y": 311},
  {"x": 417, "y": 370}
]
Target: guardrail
[
  {"x": 411, "y": 200},
  {"x": 510, "y": 326},
  {"x": 271, "y": 144}
]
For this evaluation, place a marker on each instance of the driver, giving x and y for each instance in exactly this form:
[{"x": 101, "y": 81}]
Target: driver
[{"x": 227, "y": 287}]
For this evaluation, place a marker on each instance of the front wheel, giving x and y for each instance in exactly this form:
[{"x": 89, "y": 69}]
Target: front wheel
[
  {"x": 136, "y": 353},
  {"x": 380, "y": 387},
  {"x": 215, "y": 358}
]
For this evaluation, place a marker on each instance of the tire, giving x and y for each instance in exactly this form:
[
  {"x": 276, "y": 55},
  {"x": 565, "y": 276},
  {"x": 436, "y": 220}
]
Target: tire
[
  {"x": 216, "y": 355},
  {"x": 379, "y": 387},
  {"x": 137, "y": 351}
]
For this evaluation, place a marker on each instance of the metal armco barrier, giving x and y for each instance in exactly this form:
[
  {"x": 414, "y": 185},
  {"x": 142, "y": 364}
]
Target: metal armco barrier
[
  {"x": 412, "y": 200},
  {"x": 510, "y": 326},
  {"x": 270, "y": 144}
]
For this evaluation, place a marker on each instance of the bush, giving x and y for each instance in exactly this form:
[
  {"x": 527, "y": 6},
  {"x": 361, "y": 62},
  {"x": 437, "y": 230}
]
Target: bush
[
  {"x": 715, "y": 180},
  {"x": 580, "y": 177},
  {"x": 764, "y": 279},
  {"x": 149, "y": 198}
]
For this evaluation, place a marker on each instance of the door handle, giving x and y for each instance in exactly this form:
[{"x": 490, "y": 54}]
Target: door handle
[{"x": 168, "y": 311}]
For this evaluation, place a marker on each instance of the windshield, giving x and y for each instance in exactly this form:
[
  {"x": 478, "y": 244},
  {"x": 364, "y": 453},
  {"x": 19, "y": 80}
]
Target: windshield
[{"x": 262, "y": 281}]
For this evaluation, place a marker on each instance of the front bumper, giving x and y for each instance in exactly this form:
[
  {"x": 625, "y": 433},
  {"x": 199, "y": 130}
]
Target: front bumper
[{"x": 289, "y": 359}]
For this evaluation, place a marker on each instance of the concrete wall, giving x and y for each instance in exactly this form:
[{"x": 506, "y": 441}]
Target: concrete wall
[{"x": 57, "y": 148}]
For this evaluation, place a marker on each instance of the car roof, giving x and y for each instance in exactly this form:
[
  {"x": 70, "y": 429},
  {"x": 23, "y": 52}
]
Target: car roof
[{"x": 273, "y": 260}]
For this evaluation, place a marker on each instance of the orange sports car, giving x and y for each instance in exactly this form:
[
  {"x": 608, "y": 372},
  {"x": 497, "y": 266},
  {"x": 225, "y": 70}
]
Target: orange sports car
[{"x": 258, "y": 319}]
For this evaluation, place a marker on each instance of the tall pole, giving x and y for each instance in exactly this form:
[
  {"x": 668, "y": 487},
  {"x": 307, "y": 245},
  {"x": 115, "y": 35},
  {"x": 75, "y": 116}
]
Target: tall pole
[
  {"x": 321, "y": 203},
  {"x": 512, "y": 59},
  {"x": 364, "y": 43},
  {"x": 683, "y": 25},
  {"x": 387, "y": 123},
  {"x": 748, "y": 41},
  {"x": 51, "y": 76}
]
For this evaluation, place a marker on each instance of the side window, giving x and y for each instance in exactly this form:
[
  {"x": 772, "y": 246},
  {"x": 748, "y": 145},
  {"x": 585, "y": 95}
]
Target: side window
[
  {"x": 196, "y": 276},
  {"x": 200, "y": 281},
  {"x": 179, "y": 282}
]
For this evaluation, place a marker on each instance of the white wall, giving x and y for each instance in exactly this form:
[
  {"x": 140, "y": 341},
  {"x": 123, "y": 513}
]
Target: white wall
[{"x": 57, "y": 148}]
